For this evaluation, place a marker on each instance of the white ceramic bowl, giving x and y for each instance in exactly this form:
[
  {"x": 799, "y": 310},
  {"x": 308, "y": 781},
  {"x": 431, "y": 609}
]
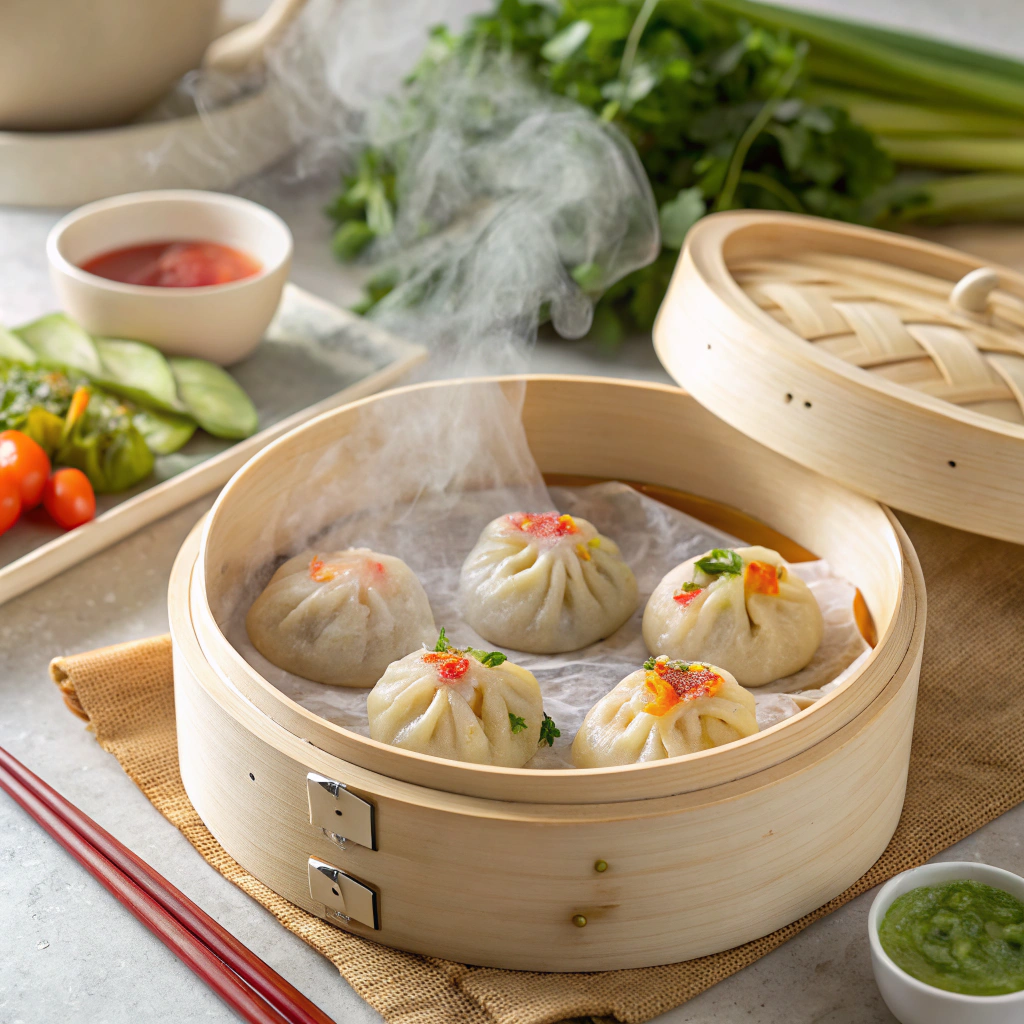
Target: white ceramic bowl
[
  {"x": 222, "y": 322},
  {"x": 912, "y": 1001}
]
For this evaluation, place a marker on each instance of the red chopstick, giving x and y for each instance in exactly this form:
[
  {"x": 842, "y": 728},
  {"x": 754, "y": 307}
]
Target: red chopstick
[{"x": 250, "y": 986}]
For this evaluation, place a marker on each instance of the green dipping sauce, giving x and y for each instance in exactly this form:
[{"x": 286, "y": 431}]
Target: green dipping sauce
[{"x": 964, "y": 937}]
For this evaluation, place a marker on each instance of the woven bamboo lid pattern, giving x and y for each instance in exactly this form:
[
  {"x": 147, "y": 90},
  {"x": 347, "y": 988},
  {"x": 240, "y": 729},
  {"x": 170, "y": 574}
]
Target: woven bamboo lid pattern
[
  {"x": 891, "y": 364},
  {"x": 962, "y": 344}
]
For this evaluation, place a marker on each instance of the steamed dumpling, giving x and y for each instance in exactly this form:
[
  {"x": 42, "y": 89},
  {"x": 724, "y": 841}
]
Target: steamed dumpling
[
  {"x": 545, "y": 583},
  {"x": 743, "y": 609},
  {"x": 340, "y": 618},
  {"x": 666, "y": 709},
  {"x": 463, "y": 704}
]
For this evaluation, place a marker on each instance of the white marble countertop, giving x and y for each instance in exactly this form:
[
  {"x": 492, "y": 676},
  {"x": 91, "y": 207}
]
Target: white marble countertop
[{"x": 70, "y": 952}]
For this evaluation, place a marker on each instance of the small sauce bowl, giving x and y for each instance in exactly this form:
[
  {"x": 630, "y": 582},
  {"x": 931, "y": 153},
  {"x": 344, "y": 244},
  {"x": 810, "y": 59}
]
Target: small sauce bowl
[
  {"x": 221, "y": 322},
  {"x": 915, "y": 1002}
]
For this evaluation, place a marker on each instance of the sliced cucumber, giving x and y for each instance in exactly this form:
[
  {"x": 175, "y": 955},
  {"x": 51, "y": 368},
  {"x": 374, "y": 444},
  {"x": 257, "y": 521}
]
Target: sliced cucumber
[
  {"x": 139, "y": 372},
  {"x": 214, "y": 398},
  {"x": 164, "y": 432},
  {"x": 58, "y": 341},
  {"x": 13, "y": 348}
]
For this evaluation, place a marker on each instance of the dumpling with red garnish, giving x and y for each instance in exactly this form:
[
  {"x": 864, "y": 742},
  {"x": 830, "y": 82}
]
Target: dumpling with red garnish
[
  {"x": 744, "y": 609},
  {"x": 666, "y": 709},
  {"x": 460, "y": 703},
  {"x": 545, "y": 583},
  {"x": 340, "y": 618}
]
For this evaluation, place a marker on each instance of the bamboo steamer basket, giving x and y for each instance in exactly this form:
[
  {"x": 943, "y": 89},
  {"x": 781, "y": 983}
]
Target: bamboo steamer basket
[
  {"x": 557, "y": 870},
  {"x": 890, "y": 364}
]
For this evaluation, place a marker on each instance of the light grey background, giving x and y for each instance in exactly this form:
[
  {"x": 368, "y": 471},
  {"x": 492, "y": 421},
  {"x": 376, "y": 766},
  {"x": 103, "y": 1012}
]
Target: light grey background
[{"x": 70, "y": 952}]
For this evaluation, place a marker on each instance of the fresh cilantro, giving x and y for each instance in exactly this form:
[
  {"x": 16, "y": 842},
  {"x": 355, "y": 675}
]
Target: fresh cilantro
[
  {"x": 492, "y": 659},
  {"x": 721, "y": 562},
  {"x": 678, "y": 215},
  {"x": 516, "y": 724},
  {"x": 650, "y": 663},
  {"x": 351, "y": 239},
  {"x": 562, "y": 46},
  {"x": 689, "y": 588},
  {"x": 724, "y": 113},
  {"x": 489, "y": 658},
  {"x": 549, "y": 732}
]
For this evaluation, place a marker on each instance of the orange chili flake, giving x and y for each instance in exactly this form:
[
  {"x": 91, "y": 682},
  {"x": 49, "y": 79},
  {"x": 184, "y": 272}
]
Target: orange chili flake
[
  {"x": 320, "y": 572},
  {"x": 544, "y": 525},
  {"x": 684, "y": 597},
  {"x": 450, "y": 664},
  {"x": 761, "y": 578},
  {"x": 324, "y": 572},
  {"x": 672, "y": 682}
]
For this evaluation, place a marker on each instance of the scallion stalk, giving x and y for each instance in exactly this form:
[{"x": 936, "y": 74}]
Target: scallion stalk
[
  {"x": 891, "y": 117},
  {"x": 956, "y": 152},
  {"x": 968, "y": 197},
  {"x": 890, "y": 62}
]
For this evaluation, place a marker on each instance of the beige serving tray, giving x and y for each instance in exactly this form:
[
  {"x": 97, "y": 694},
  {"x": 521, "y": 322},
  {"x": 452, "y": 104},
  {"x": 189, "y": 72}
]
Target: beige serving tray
[
  {"x": 888, "y": 363},
  {"x": 213, "y": 150},
  {"x": 315, "y": 357}
]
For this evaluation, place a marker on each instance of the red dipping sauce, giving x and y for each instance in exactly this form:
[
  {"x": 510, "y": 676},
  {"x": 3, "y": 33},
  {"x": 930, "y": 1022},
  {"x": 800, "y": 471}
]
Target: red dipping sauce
[{"x": 174, "y": 265}]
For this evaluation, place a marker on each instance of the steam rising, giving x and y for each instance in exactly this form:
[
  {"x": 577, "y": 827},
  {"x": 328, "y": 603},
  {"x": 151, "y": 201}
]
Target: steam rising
[
  {"x": 529, "y": 187},
  {"x": 513, "y": 206},
  {"x": 518, "y": 189}
]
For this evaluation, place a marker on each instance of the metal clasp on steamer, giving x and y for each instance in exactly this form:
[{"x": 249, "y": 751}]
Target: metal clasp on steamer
[
  {"x": 343, "y": 896},
  {"x": 340, "y": 815}
]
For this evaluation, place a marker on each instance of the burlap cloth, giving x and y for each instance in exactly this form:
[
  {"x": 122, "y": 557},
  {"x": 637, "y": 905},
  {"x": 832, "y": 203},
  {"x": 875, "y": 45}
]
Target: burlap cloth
[{"x": 967, "y": 767}]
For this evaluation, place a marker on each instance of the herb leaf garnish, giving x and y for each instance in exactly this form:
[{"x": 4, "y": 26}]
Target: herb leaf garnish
[
  {"x": 492, "y": 659},
  {"x": 721, "y": 562},
  {"x": 689, "y": 588},
  {"x": 548, "y": 731},
  {"x": 516, "y": 724}
]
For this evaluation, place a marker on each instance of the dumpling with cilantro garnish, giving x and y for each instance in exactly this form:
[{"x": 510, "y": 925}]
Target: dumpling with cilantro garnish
[
  {"x": 666, "y": 709},
  {"x": 340, "y": 618},
  {"x": 545, "y": 583},
  {"x": 460, "y": 703},
  {"x": 744, "y": 609}
]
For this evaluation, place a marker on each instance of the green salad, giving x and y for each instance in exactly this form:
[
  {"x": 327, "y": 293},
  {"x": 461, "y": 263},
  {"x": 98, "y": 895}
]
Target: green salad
[{"x": 109, "y": 406}]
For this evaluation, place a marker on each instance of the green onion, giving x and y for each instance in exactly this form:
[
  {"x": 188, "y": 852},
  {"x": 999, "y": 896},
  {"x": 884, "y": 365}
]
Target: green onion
[
  {"x": 893, "y": 117},
  {"x": 969, "y": 197},
  {"x": 957, "y": 153},
  {"x": 900, "y": 61}
]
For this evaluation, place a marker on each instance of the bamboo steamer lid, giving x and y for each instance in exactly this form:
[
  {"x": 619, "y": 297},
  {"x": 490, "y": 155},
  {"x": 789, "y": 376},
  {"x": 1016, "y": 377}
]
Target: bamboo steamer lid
[{"x": 890, "y": 364}]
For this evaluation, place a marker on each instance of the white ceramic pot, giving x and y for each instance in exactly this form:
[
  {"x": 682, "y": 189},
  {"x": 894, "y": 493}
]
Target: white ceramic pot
[
  {"x": 76, "y": 65},
  {"x": 66, "y": 65},
  {"x": 222, "y": 323},
  {"x": 912, "y": 1001}
]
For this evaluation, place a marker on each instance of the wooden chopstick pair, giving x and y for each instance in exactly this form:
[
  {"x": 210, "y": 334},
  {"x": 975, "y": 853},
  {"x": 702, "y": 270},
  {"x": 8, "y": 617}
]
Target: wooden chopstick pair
[{"x": 250, "y": 986}]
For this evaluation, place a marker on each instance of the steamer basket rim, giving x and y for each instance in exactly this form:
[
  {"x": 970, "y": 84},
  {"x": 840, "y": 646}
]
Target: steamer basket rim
[
  {"x": 704, "y": 252},
  {"x": 907, "y": 567}
]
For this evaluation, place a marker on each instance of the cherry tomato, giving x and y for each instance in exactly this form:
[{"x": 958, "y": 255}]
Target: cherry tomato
[
  {"x": 10, "y": 501},
  {"x": 23, "y": 459},
  {"x": 69, "y": 498}
]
